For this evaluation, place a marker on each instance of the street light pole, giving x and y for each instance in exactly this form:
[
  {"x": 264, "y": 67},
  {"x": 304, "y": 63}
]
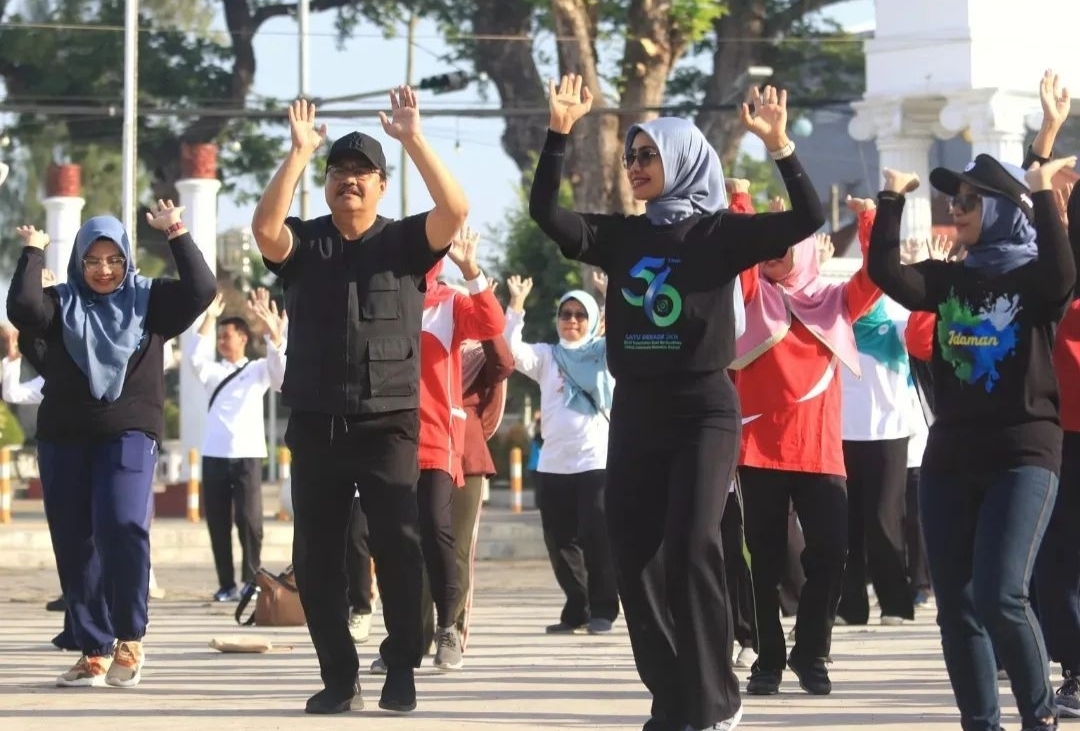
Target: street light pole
[
  {"x": 128, "y": 198},
  {"x": 303, "y": 17},
  {"x": 404, "y": 162}
]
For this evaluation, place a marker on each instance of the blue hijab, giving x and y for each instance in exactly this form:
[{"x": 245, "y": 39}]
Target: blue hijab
[
  {"x": 1007, "y": 238},
  {"x": 584, "y": 363},
  {"x": 102, "y": 331},
  {"x": 693, "y": 177}
]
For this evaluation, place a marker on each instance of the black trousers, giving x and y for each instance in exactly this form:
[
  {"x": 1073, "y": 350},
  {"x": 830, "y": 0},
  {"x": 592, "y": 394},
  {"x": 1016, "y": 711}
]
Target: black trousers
[
  {"x": 576, "y": 536},
  {"x": 821, "y": 503},
  {"x": 794, "y": 578},
  {"x": 917, "y": 563},
  {"x": 232, "y": 493},
  {"x": 1057, "y": 569},
  {"x": 434, "y": 492},
  {"x": 740, "y": 588},
  {"x": 877, "y": 497},
  {"x": 671, "y": 459},
  {"x": 333, "y": 457},
  {"x": 358, "y": 561}
]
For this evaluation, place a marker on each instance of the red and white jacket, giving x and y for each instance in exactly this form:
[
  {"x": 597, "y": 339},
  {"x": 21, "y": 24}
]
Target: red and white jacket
[{"x": 449, "y": 318}]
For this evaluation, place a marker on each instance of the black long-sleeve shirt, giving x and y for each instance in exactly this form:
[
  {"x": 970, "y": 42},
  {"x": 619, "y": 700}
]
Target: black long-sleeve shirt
[
  {"x": 69, "y": 412},
  {"x": 994, "y": 390},
  {"x": 670, "y": 297}
]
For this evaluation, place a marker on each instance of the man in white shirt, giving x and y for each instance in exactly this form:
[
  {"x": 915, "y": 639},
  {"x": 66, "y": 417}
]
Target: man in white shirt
[{"x": 234, "y": 442}]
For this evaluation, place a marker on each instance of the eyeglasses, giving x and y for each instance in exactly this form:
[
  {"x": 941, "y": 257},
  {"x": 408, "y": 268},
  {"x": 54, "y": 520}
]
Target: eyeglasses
[
  {"x": 964, "y": 203},
  {"x": 568, "y": 315},
  {"x": 643, "y": 157},
  {"x": 342, "y": 172},
  {"x": 112, "y": 262}
]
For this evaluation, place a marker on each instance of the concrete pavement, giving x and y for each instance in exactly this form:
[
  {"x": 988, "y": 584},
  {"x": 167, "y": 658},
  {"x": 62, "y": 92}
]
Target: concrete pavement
[{"x": 515, "y": 677}]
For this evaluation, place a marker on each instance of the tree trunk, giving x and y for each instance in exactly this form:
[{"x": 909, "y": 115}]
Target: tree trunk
[{"x": 511, "y": 67}]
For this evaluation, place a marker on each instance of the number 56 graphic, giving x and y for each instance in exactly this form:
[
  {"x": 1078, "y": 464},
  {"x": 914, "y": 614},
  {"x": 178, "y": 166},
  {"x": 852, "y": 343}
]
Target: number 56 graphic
[{"x": 662, "y": 303}]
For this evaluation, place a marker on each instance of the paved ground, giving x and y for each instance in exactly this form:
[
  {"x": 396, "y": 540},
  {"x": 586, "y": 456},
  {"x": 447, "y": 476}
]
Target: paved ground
[{"x": 515, "y": 678}]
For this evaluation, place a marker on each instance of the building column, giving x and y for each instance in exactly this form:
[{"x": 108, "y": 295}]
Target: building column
[
  {"x": 63, "y": 215},
  {"x": 995, "y": 120},
  {"x": 198, "y": 195},
  {"x": 904, "y": 130}
]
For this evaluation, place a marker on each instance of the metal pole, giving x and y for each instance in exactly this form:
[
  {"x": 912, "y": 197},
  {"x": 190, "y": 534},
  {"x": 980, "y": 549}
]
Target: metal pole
[
  {"x": 303, "y": 19},
  {"x": 129, "y": 199},
  {"x": 408, "y": 80}
]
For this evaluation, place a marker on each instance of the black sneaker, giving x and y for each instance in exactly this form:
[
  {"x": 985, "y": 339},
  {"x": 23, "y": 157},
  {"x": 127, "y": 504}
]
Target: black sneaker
[
  {"x": 1067, "y": 697},
  {"x": 56, "y": 605},
  {"x": 399, "y": 690},
  {"x": 813, "y": 676},
  {"x": 562, "y": 628},
  {"x": 328, "y": 701},
  {"x": 763, "y": 682}
]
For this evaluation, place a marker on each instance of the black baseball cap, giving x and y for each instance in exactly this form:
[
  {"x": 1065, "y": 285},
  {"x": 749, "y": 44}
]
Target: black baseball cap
[
  {"x": 988, "y": 175},
  {"x": 357, "y": 144}
]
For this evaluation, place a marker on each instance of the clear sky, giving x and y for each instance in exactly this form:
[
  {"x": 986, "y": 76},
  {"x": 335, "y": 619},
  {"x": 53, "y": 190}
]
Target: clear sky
[{"x": 368, "y": 62}]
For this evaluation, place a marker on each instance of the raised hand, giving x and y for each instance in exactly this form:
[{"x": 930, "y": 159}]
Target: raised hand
[
  {"x": 462, "y": 252},
  {"x": 405, "y": 114},
  {"x": 897, "y": 182},
  {"x": 777, "y": 205},
  {"x": 217, "y": 307},
  {"x": 568, "y": 101},
  {"x": 519, "y": 290},
  {"x": 11, "y": 340},
  {"x": 164, "y": 215},
  {"x": 860, "y": 205},
  {"x": 825, "y": 247},
  {"x": 1055, "y": 100},
  {"x": 306, "y": 137},
  {"x": 1041, "y": 177},
  {"x": 48, "y": 278},
  {"x": 266, "y": 309},
  {"x": 912, "y": 251},
  {"x": 33, "y": 237},
  {"x": 600, "y": 282},
  {"x": 939, "y": 247},
  {"x": 736, "y": 185},
  {"x": 1062, "y": 195},
  {"x": 768, "y": 121}
]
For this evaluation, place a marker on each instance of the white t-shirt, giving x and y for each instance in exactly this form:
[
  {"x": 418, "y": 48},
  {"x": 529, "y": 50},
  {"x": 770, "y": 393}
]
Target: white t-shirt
[
  {"x": 573, "y": 442},
  {"x": 878, "y": 406}
]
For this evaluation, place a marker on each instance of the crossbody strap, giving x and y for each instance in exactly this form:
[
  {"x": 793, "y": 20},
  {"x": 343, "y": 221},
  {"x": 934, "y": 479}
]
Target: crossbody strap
[{"x": 225, "y": 382}]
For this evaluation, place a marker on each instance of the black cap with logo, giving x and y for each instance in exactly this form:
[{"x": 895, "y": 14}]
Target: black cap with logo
[
  {"x": 357, "y": 144},
  {"x": 987, "y": 175}
]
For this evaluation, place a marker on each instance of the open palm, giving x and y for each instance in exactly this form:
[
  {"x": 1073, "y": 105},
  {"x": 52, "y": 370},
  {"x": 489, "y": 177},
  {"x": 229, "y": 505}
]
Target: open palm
[
  {"x": 404, "y": 121},
  {"x": 568, "y": 102},
  {"x": 768, "y": 121},
  {"x": 305, "y": 135}
]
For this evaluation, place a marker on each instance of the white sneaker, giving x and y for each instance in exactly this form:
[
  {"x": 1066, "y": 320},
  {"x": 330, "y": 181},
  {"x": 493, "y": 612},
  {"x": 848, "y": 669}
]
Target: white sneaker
[
  {"x": 378, "y": 666},
  {"x": 360, "y": 627},
  {"x": 746, "y": 658},
  {"x": 887, "y": 621},
  {"x": 728, "y": 725}
]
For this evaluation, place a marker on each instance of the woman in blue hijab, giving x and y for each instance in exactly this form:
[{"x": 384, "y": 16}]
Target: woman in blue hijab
[
  {"x": 101, "y": 421},
  {"x": 575, "y": 398},
  {"x": 673, "y": 308}
]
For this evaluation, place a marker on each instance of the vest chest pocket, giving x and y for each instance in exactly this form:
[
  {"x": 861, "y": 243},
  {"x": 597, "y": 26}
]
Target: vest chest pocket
[
  {"x": 390, "y": 367},
  {"x": 380, "y": 301}
]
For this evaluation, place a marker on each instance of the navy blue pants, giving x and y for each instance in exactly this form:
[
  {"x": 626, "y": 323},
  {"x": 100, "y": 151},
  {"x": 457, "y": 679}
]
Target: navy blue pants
[
  {"x": 983, "y": 532},
  {"x": 98, "y": 505},
  {"x": 1057, "y": 569}
]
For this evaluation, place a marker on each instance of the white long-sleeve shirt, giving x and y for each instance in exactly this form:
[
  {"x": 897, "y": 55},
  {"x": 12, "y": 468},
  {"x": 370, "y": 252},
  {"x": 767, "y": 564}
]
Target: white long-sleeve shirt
[
  {"x": 573, "y": 442},
  {"x": 16, "y": 392},
  {"x": 235, "y": 423}
]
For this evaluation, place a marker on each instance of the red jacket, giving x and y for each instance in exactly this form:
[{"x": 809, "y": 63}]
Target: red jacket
[
  {"x": 1067, "y": 367},
  {"x": 483, "y": 402},
  {"x": 449, "y": 318}
]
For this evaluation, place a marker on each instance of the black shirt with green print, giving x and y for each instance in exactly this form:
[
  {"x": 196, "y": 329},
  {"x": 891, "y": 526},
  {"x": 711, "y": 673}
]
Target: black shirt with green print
[{"x": 995, "y": 392}]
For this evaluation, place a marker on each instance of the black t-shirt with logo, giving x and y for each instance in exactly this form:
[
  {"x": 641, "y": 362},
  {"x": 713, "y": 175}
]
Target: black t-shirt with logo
[
  {"x": 671, "y": 289},
  {"x": 994, "y": 389}
]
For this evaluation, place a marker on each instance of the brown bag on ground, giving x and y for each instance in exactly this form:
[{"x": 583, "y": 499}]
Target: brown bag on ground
[{"x": 277, "y": 601}]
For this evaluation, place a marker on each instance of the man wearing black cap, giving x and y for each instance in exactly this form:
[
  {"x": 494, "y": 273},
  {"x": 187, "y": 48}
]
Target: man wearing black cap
[{"x": 354, "y": 290}]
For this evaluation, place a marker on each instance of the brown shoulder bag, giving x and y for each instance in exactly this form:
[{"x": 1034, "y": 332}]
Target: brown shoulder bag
[{"x": 277, "y": 601}]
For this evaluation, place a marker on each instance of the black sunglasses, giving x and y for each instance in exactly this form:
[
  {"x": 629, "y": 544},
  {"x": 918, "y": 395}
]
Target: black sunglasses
[
  {"x": 567, "y": 315},
  {"x": 965, "y": 202},
  {"x": 643, "y": 157}
]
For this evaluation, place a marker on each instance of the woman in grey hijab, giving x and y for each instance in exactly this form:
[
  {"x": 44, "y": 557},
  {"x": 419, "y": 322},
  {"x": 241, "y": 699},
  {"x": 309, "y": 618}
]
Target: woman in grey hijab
[{"x": 672, "y": 320}]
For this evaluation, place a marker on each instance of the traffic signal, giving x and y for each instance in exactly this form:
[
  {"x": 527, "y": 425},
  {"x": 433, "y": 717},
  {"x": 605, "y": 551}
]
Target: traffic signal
[{"x": 453, "y": 81}]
